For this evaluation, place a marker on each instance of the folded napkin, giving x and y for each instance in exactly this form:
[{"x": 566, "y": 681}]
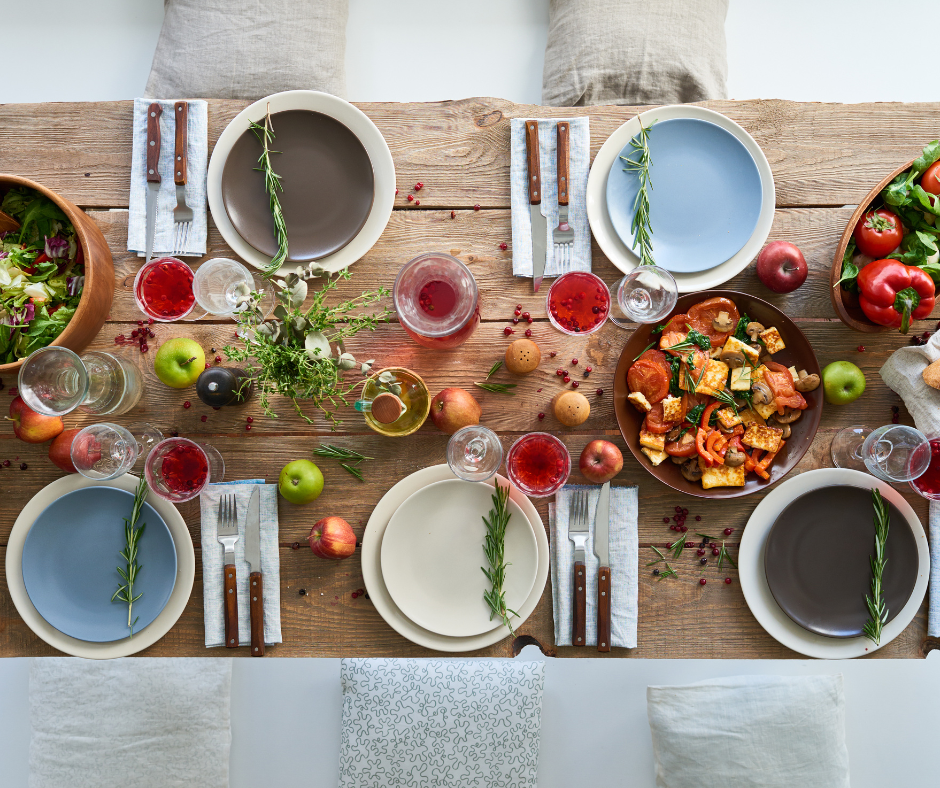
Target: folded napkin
[
  {"x": 624, "y": 565},
  {"x": 579, "y": 166},
  {"x": 902, "y": 373},
  {"x": 424, "y": 722},
  {"x": 212, "y": 562},
  {"x": 197, "y": 163},
  {"x": 129, "y": 723}
]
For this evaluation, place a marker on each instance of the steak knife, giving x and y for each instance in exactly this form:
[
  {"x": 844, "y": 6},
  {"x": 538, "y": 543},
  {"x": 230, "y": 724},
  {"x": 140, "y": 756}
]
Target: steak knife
[
  {"x": 154, "y": 111},
  {"x": 602, "y": 551},
  {"x": 255, "y": 582},
  {"x": 539, "y": 222}
]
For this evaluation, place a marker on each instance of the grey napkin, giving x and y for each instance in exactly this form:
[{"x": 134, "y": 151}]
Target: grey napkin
[
  {"x": 624, "y": 565},
  {"x": 212, "y": 562},
  {"x": 902, "y": 373},
  {"x": 579, "y": 166},
  {"x": 197, "y": 164}
]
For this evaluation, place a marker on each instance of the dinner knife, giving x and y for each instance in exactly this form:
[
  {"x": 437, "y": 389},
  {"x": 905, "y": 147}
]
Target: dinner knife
[
  {"x": 539, "y": 222},
  {"x": 153, "y": 171},
  {"x": 602, "y": 551},
  {"x": 255, "y": 583}
]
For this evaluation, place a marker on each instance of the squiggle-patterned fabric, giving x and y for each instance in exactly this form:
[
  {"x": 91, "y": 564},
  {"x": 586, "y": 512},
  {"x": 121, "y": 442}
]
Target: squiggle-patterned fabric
[{"x": 410, "y": 723}]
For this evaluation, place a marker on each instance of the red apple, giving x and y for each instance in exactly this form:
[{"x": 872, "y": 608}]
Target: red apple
[
  {"x": 60, "y": 450},
  {"x": 600, "y": 461},
  {"x": 781, "y": 267},
  {"x": 454, "y": 409},
  {"x": 332, "y": 537},
  {"x": 30, "y": 426}
]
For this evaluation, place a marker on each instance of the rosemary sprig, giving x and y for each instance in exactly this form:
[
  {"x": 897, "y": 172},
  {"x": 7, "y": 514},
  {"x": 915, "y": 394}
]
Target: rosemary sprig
[
  {"x": 677, "y": 547},
  {"x": 651, "y": 344},
  {"x": 272, "y": 185},
  {"x": 498, "y": 388},
  {"x": 353, "y": 470},
  {"x": 724, "y": 555},
  {"x": 338, "y": 452},
  {"x": 494, "y": 369},
  {"x": 641, "y": 228},
  {"x": 724, "y": 396},
  {"x": 494, "y": 545},
  {"x": 877, "y": 609},
  {"x": 694, "y": 339},
  {"x": 125, "y": 590},
  {"x": 668, "y": 571}
]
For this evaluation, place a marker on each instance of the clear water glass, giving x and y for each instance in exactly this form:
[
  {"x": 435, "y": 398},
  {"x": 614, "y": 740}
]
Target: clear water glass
[
  {"x": 104, "y": 451},
  {"x": 216, "y": 285},
  {"x": 892, "y": 453},
  {"x": 474, "y": 453},
  {"x": 647, "y": 294}
]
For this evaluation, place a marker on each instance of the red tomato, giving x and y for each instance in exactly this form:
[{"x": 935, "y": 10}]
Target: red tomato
[
  {"x": 676, "y": 330},
  {"x": 655, "y": 355},
  {"x": 654, "y": 420},
  {"x": 878, "y": 233},
  {"x": 781, "y": 384},
  {"x": 704, "y": 312},
  {"x": 649, "y": 378},
  {"x": 930, "y": 180},
  {"x": 684, "y": 447}
]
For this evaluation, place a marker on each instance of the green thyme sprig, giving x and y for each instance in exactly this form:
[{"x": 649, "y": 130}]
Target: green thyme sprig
[
  {"x": 494, "y": 546},
  {"x": 128, "y": 573},
  {"x": 272, "y": 185},
  {"x": 877, "y": 609},
  {"x": 639, "y": 161}
]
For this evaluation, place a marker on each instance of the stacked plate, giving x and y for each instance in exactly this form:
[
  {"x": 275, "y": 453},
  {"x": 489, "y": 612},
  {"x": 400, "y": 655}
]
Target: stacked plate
[
  {"x": 336, "y": 171},
  {"x": 712, "y": 198},
  {"x": 422, "y": 554},
  {"x": 62, "y": 560}
]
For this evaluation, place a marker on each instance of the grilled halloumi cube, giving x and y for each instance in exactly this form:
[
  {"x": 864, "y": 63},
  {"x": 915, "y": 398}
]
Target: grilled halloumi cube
[
  {"x": 639, "y": 402},
  {"x": 652, "y": 441},
  {"x": 749, "y": 417},
  {"x": 713, "y": 378},
  {"x": 741, "y": 379},
  {"x": 733, "y": 344},
  {"x": 728, "y": 418},
  {"x": 772, "y": 340},
  {"x": 656, "y": 457},
  {"x": 672, "y": 408},
  {"x": 764, "y": 438},
  {"x": 757, "y": 374},
  {"x": 766, "y": 411},
  {"x": 721, "y": 475},
  {"x": 793, "y": 374}
]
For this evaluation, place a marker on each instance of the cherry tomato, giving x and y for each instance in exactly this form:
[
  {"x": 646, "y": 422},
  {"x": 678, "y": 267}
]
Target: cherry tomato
[
  {"x": 657, "y": 356},
  {"x": 650, "y": 379},
  {"x": 705, "y": 312},
  {"x": 654, "y": 420},
  {"x": 684, "y": 447},
  {"x": 930, "y": 180},
  {"x": 878, "y": 233}
]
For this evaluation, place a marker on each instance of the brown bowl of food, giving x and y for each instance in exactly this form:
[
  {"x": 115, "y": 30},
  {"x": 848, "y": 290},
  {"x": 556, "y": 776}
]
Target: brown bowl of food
[{"x": 56, "y": 273}]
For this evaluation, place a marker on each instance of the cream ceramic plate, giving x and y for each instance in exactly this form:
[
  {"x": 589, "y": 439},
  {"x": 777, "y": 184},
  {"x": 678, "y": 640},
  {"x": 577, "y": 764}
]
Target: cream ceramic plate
[
  {"x": 375, "y": 583},
  {"x": 351, "y": 117},
  {"x": 620, "y": 254},
  {"x": 185, "y": 572},
  {"x": 432, "y": 553},
  {"x": 754, "y": 582}
]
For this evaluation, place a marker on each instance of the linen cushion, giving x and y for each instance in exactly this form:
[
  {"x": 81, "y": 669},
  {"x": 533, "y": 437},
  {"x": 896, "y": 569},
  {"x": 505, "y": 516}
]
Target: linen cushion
[
  {"x": 635, "y": 52},
  {"x": 248, "y": 49},
  {"x": 750, "y": 732}
]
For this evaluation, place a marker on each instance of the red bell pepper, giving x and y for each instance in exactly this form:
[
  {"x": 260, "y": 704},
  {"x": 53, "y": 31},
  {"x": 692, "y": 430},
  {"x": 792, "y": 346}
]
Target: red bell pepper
[
  {"x": 700, "y": 436},
  {"x": 892, "y": 293}
]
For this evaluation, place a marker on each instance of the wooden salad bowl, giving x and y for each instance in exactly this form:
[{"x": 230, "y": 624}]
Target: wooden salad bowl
[
  {"x": 95, "y": 303},
  {"x": 846, "y": 303}
]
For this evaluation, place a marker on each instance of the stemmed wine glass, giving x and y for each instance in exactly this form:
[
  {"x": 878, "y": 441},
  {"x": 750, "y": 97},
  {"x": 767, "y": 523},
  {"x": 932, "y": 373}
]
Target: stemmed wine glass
[
  {"x": 474, "y": 453},
  {"x": 106, "y": 451},
  {"x": 219, "y": 282},
  {"x": 178, "y": 469},
  {"x": 647, "y": 294},
  {"x": 892, "y": 453}
]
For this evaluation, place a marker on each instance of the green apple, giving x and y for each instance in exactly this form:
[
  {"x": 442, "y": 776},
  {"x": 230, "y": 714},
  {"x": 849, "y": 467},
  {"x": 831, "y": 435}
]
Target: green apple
[
  {"x": 300, "y": 482},
  {"x": 178, "y": 362},
  {"x": 843, "y": 382}
]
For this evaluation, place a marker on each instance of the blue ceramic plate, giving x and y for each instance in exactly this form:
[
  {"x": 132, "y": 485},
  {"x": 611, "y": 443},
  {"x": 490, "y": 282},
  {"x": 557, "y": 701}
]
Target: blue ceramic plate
[
  {"x": 706, "y": 195},
  {"x": 70, "y": 560}
]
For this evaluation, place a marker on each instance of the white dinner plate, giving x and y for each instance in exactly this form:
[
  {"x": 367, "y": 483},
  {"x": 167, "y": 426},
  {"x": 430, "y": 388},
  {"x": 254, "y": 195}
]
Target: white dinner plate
[
  {"x": 432, "y": 554},
  {"x": 185, "y": 572},
  {"x": 620, "y": 254},
  {"x": 351, "y": 117},
  {"x": 375, "y": 584},
  {"x": 754, "y": 582}
]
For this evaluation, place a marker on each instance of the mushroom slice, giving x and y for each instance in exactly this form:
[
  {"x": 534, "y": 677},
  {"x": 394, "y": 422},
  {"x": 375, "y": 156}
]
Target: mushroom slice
[
  {"x": 806, "y": 382},
  {"x": 723, "y": 323},
  {"x": 691, "y": 470},
  {"x": 673, "y": 434},
  {"x": 733, "y": 358},
  {"x": 788, "y": 416},
  {"x": 761, "y": 393},
  {"x": 733, "y": 457},
  {"x": 753, "y": 329}
]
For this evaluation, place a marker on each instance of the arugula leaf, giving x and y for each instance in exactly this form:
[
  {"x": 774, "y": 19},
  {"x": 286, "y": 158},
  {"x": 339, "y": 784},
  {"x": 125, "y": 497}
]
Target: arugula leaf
[
  {"x": 849, "y": 278},
  {"x": 916, "y": 249}
]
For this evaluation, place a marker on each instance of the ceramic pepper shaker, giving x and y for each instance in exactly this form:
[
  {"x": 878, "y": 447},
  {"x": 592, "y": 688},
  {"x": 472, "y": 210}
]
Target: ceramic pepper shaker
[{"x": 219, "y": 386}]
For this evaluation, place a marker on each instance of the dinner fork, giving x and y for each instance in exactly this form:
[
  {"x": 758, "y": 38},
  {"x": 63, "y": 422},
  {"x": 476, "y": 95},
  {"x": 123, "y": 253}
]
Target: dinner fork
[
  {"x": 563, "y": 235},
  {"x": 228, "y": 536},
  {"x": 578, "y": 533},
  {"x": 182, "y": 213}
]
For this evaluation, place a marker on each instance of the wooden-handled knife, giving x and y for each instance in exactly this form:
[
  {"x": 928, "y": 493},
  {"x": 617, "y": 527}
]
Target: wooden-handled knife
[
  {"x": 255, "y": 579},
  {"x": 602, "y": 551}
]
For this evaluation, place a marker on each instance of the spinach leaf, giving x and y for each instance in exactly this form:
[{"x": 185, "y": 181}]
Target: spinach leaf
[
  {"x": 929, "y": 156},
  {"x": 694, "y": 416},
  {"x": 849, "y": 278},
  {"x": 916, "y": 249},
  {"x": 676, "y": 364},
  {"x": 697, "y": 338},
  {"x": 740, "y": 331}
]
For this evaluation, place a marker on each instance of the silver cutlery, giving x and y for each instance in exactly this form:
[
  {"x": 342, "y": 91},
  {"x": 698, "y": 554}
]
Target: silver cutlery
[
  {"x": 255, "y": 581},
  {"x": 182, "y": 213},
  {"x": 539, "y": 222},
  {"x": 228, "y": 536},
  {"x": 154, "y": 111},
  {"x": 578, "y": 531},
  {"x": 602, "y": 551},
  {"x": 563, "y": 234}
]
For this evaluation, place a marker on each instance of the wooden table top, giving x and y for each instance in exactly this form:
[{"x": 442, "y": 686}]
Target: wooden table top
[{"x": 825, "y": 158}]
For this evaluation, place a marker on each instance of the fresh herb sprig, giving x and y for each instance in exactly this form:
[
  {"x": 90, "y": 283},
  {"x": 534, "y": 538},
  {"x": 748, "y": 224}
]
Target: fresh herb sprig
[
  {"x": 726, "y": 398},
  {"x": 677, "y": 547},
  {"x": 128, "y": 573},
  {"x": 877, "y": 609},
  {"x": 494, "y": 546},
  {"x": 272, "y": 185},
  {"x": 724, "y": 555},
  {"x": 669, "y": 571},
  {"x": 494, "y": 369},
  {"x": 694, "y": 339},
  {"x": 650, "y": 345},
  {"x": 639, "y": 161},
  {"x": 498, "y": 388},
  {"x": 353, "y": 458}
]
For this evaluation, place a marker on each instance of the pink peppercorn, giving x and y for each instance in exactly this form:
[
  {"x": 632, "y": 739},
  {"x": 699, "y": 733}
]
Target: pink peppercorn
[
  {"x": 727, "y": 581},
  {"x": 575, "y": 384},
  {"x": 528, "y": 332},
  {"x": 600, "y": 392},
  {"x": 541, "y": 416},
  {"x": 702, "y": 581},
  {"x": 203, "y": 418},
  {"x": 187, "y": 404},
  {"x": 507, "y": 331},
  {"x": 504, "y": 246}
]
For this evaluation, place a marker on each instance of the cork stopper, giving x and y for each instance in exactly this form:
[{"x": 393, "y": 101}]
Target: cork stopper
[{"x": 387, "y": 408}]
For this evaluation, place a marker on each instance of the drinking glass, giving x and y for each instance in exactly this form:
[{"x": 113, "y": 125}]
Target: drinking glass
[
  {"x": 892, "y": 453},
  {"x": 106, "y": 451},
  {"x": 216, "y": 287},
  {"x": 928, "y": 484},
  {"x": 474, "y": 453},
  {"x": 647, "y": 294},
  {"x": 178, "y": 469},
  {"x": 578, "y": 303},
  {"x": 538, "y": 464},
  {"x": 163, "y": 289},
  {"x": 54, "y": 381}
]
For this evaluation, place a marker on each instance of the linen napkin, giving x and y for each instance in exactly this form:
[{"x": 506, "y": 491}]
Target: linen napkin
[
  {"x": 426, "y": 722},
  {"x": 624, "y": 565},
  {"x": 212, "y": 562},
  {"x": 129, "y": 723},
  {"x": 902, "y": 373},
  {"x": 579, "y": 166},
  {"x": 197, "y": 163}
]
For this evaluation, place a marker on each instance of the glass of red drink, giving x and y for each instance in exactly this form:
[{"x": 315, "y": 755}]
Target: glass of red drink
[
  {"x": 437, "y": 301},
  {"x": 538, "y": 464},
  {"x": 928, "y": 483},
  {"x": 178, "y": 469},
  {"x": 163, "y": 289},
  {"x": 578, "y": 303}
]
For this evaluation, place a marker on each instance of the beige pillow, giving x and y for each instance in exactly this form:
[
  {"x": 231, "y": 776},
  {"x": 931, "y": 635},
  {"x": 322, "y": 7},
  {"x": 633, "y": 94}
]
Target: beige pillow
[
  {"x": 635, "y": 52},
  {"x": 249, "y": 49}
]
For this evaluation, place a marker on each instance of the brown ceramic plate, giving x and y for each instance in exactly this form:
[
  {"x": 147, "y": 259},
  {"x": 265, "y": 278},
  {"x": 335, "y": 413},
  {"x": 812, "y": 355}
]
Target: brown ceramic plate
[
  {"x": 328, "y": 186},
  {"x": 817, "y": 560},
  {"x": 798, "y": 353}
]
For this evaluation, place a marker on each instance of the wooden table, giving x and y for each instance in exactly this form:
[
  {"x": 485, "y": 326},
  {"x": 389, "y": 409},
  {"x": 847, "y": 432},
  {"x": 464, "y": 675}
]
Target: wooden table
[{"x": 825, "y": 158}]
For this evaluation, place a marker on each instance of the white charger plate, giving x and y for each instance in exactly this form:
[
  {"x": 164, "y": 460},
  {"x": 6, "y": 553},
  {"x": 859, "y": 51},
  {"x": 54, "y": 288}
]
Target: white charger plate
[
  {"x": 620, "y": 254},
  {"x": 375, "y": 583},
  {"x": 432, "y": 553},
  {"x": 356, "y": 121},
  {"x": 185, "y": 572},
  {"x": 754, "y": 582}
]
